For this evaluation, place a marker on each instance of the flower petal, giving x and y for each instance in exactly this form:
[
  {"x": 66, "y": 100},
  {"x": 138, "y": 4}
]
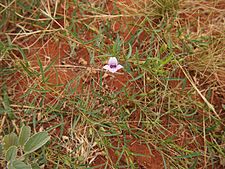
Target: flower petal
[
  {"x": 112, "y": 61},
  {"x": 118, "y": 67},
  {"x": 113, "y": 70},
  {"x": 107, "y": 67}
]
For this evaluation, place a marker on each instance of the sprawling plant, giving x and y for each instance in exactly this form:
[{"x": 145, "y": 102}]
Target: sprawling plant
[{"x": 18, "y": 149}]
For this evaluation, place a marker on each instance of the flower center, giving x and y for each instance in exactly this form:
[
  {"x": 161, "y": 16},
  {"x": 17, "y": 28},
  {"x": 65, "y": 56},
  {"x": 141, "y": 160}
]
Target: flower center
[{"x": 112, "y": 66}]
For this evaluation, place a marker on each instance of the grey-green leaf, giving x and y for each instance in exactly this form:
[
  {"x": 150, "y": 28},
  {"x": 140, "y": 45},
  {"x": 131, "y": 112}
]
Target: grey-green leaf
[
  {"x": 36, "y": 141},
  {"x": 10, "y": 140},
  {"x": 24, "y": 135},
  {"x": 20, "y": 165},
  {"x": 11, "y": 153}
]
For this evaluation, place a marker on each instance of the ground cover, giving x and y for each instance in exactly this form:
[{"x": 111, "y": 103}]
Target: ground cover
[{"x": 164, "y": 109}]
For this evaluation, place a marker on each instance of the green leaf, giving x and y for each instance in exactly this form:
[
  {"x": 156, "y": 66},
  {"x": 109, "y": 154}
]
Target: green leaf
[
  {"x": 191, "y": 155},
  {"x": 17, "y": 164},
  {"x": 136, "y": 78},
  {"x": 41, "y": 69},
  {"x": 6, "y": 102},
  {"x": 11, "y": 153},
  {"x": 24, "y": 135},
  {"x": 36, "y": 141},
  {"x": 117, "y": 45},
  {"x": 26, "y": 68},
  {"x": 50, "y": 65},
  {"x": 167, "y": 59},
  {"x": 10, "y": 140},
  {"x": 129, "y": 52}
]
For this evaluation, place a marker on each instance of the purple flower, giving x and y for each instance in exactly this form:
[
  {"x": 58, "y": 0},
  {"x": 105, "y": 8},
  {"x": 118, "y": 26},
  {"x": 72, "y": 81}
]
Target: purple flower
[{"x": 112, "y": 65}]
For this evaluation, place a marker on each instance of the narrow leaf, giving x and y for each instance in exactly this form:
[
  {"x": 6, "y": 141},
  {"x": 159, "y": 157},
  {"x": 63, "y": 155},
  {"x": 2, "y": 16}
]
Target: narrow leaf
[
  {"x": 136, "y": 78},
  {"x": 6, "y": 102},
  {"x": 191, "y": 155},
  {"x": 41, "y": 69},
  {"x": 129, "y": 52},
  {"x": 167, "y": 60},
  {"x": 50, "y": 65},
  {"x": 36, "y": 141},
  {"x": 24, "y": 135}
]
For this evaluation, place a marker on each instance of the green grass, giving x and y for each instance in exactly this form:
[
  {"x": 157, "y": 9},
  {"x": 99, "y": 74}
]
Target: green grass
[{"x": 171, "y": 91}]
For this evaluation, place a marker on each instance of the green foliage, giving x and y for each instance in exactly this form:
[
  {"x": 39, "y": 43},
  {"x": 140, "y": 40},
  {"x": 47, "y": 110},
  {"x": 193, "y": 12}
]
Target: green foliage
[
  {"x": 162, "y": 44},
  {"x": 25, "y": 145},
  {"x": 36, "y": 141},
  {"x": 6, "y": 103},
  {"x": 11, "y": 153},
  {"x": 17, "y": 164},
  {"x": 24, "y": 135},
  {"x": 10, "y": 140}
]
